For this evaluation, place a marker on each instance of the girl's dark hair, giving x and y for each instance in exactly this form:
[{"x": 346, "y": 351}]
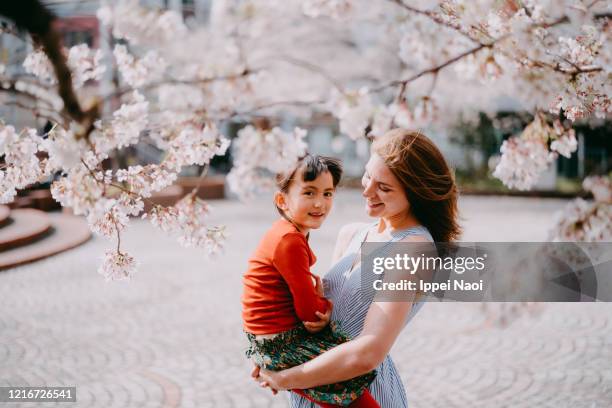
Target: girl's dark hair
[
  {"x": 427, "y": 180},
  {"x": 311, "y": 166}
]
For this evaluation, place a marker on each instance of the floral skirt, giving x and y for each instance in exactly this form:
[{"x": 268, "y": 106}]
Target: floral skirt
[{"x": 297, "y": 346}]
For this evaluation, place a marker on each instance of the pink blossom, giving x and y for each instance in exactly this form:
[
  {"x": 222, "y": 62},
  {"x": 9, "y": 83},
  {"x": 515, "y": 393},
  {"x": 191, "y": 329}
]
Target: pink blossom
[{"x": 117, "y": 266}]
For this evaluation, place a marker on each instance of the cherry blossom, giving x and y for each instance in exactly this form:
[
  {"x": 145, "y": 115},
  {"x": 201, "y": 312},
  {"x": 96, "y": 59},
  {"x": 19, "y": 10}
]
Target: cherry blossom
[
  {"x": 192, "y": 227},
  {"x": 138, "y": 72},
  {"x": 107, "y": 218},
  {"x": 63, "y": 150},
  {"x": 198, "y": 146},
  {"x": 145, "y": 180},
  {"x": 125, "y": 127},
  {"x": 140, "y": 25},
  {"x": 336, "y": 9},
  {"x": 84, "y": 63},
  {"x": 522, "y": 162},
  {"x": 117, "y": 266},
  {"x": 353, "y": 110},
  {"x": 263, "y": 153},
  {"x": 388, "y": 63}
]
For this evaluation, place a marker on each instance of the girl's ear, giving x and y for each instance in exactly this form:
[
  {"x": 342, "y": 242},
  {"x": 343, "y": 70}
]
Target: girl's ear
[{"x": 279, "y": 200}]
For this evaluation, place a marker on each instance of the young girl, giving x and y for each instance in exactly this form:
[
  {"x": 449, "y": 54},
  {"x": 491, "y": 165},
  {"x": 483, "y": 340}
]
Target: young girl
[{"x": 280, "y": 292}]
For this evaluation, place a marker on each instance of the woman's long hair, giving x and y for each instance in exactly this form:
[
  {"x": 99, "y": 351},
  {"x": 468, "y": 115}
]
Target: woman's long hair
[{"x": 427, "y": 180}]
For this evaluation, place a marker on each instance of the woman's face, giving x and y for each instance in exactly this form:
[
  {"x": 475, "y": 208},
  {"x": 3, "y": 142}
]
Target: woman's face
[{"x": 384, "y": 194}]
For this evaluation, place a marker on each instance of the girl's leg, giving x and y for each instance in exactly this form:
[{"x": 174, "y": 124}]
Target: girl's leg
[
  {"x": 365, "y": 401},
  {"x": 319, "y": 404}
]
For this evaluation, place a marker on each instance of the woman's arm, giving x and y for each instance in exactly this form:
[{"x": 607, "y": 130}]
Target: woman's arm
[{"x": 383, "y": 324}]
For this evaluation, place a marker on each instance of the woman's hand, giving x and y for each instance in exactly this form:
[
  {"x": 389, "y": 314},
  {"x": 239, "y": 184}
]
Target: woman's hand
[
  {"x": 255, "y": 373},
  {"x": 324, "y": 318},
  {"x": 270, "y": 379}
]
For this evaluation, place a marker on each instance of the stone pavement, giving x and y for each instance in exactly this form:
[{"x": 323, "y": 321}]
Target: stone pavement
[{"x": 172, "y": 336}]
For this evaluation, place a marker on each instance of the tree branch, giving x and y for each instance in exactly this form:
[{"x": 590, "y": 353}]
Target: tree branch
[
  {"x": 435, "y": 18},
  {"x": 32, "y": 16}
]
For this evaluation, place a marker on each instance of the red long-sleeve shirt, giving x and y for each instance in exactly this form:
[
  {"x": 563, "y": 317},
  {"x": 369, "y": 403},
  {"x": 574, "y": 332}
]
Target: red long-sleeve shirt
[{"x": 279, "y": 291}]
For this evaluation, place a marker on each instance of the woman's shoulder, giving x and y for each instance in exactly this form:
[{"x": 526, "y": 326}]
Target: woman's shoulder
[
  {"x": 345, "y": 236},
  {"x": 348, "y": 231},
  {"x": 417, "y": 234}
]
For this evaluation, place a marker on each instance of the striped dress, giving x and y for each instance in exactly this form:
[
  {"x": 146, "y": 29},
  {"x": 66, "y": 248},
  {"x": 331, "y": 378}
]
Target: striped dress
[{"x": 350, "y": 311}]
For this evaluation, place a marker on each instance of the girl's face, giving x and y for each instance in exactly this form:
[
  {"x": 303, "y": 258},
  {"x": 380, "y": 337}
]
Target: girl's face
[
  {"x": 307, "y": 203},
  {"x": 385, "y": 196}
]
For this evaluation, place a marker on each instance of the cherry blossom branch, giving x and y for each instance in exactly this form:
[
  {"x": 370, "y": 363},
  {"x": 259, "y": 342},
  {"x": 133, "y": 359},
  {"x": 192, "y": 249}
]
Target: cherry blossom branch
[
  {"x": 37, "y": 112},
  {"x": 273, "y": 104},
  {"x": 196, "y": 189},
  {"x": 172, "y": 81},
  {"x": 118, "y": 237},
  {"x": 435, "y": 18},
  {"x": 313, "y": 68},
  {"x": 10, "y": 86},
  {"x": 435, "y": 70},
  {"x": 34, "y": 17},
  {"x": 119, "y": 186}
]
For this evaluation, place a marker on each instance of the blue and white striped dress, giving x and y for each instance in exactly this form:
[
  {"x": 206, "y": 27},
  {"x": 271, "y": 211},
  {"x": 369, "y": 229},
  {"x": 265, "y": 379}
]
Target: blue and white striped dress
[{"x": 350, "y": 311}]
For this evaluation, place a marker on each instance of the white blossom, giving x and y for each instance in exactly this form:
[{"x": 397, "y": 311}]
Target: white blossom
[
  {"x": 566, "y": 144},
  {"x": 125, "y": 128},
  {"x": 247, "y": 182},
  {"x": 336, "y": 9},
  {"x": 117, "y": 266},
  {"x": 22, "y": 166},
  {"x": 107, "y": 218},
  {"x": 140, "y": 25},
  {"x": 64, "y": 151},
  {"x": 522, "y": 162},
  {"x": 354, "y": 111},
  {"x": 79, "y": 190},
  {"x": 139, "y": 72},
  {"x": 198, "y": 146},
  {"x": 164, "y": 218},
  {"x": 37, "y": 64},
  {"x": 192, "y": 226},
  {"x": 260, "y": 155},
  {"x": 84, "y": 64},
  {"x": 145, "y": 180},
  {"x": 600, "y": 187},
  {"x": 582, "y": 220}
]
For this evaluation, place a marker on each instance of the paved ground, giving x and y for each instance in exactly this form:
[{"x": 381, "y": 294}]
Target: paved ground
[{"x": 172, "y": 337}]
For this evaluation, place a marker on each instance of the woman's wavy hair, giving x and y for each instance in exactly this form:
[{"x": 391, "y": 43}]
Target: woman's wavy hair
[{"x": 427, "y": 180}]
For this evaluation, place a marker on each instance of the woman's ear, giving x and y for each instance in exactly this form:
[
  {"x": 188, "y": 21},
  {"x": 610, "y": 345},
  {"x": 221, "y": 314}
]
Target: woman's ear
[{"x": 279, "y": 200}]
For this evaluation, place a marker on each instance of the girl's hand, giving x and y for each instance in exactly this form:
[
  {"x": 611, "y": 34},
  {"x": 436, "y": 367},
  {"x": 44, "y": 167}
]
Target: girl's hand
[{"x": 324, "y": 318}]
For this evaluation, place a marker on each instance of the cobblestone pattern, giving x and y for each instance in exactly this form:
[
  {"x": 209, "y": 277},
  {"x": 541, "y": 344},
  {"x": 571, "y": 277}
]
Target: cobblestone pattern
[{"x": 172, "y": 336}]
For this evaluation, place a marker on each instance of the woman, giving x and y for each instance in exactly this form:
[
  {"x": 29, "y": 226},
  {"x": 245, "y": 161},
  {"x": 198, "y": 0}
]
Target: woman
[{"x": 409, "y": 188}]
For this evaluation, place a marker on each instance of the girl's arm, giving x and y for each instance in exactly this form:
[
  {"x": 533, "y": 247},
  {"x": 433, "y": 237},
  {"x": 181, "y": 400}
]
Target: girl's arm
[{"x": 292, "y": 260}]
